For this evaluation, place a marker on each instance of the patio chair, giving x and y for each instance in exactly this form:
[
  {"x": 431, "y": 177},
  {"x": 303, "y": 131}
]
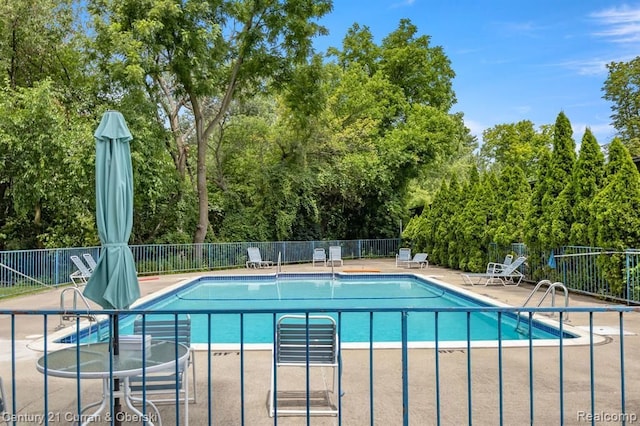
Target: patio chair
[
  {"x": 255, "y": 259},
  {"x": 319, "y": 255},
  {"x": 81, "y": 276},
  {"x": 420, "y": 259},
  {"x": 335, "y": 255},
  {"x": 161, "y": 387},
  {"x": 498, "y": 272},
  {"x": 91, "y": 262},
  {"x": 3, "y": 403},
  {"x": 404, "y": 255},
  {"x": 306, "y": 342}
]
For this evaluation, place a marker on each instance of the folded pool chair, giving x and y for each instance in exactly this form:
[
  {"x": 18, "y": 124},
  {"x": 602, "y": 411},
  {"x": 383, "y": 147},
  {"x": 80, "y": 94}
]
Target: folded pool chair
[
  {"x": 81, "y": 276},
  {"x": 306, "y": 342},
  {"x": 255, "y": 259},
  {"x": 497, "y": 273},
  {"x": 335, "y": 255},
  {"x": 91, "y": 262},
  {"x": 403, "y": 256},
  {"x": 319, "y": 255}
]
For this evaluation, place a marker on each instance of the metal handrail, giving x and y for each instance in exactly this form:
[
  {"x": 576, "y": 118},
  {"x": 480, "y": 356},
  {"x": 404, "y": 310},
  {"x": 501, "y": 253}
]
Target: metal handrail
[
  {"x": 552, "y": 290},
  {"x": 65, "y": 315}
]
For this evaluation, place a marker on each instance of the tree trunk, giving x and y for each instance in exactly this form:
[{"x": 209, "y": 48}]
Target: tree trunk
[{"x": 203, "y": 194}]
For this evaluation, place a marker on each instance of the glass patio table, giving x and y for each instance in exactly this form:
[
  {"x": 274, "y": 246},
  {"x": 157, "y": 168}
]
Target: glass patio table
[{"x": 92, "y": 361}]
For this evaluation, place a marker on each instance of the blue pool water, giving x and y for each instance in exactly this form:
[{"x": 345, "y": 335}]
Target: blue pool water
[{"x": 320, "y": 292}]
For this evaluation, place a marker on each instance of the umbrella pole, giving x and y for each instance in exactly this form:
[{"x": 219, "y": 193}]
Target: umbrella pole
[{"x": 117, "y": 408}]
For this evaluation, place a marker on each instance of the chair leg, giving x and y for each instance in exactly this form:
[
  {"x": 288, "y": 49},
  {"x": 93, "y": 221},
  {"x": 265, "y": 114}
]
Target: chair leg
[
  {"x": 193, "y": 370},
  {"x": 186, "y": 396}
]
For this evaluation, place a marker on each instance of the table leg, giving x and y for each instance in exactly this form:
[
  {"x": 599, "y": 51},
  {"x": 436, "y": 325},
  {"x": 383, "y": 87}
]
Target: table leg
[
  {"x": 103, "y": 404},
  {"x": 128, "y": 398}
]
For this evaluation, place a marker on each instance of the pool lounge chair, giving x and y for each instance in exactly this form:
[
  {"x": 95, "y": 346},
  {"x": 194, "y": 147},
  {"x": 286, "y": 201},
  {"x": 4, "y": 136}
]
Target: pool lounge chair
[
  {"x": 306, "y": 342},
  {"x": 91, "y": 262},
  {"x": 403, "y": 256},
  {"x": 420, "y": 259},
  {"x": 81, "y": 276},
  {"x": 160, "y": 387},
  {"x": 498, "y": 273},
  {"x": 335, "y": 255},
  {"x": 255, "y": 259},
  {"x": 319, "y": 255}
]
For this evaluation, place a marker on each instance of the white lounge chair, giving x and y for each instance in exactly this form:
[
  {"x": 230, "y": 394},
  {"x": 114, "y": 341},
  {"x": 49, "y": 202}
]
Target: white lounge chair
[
  {"x": 160, "y": 387},
  {"x": 255, "y": 259},
  {"x": 81, "y": 276},
  {"x": 91, "y": 262},
  {"x": 420, "y": 259},
  {"x": 319, "y": 255},
  {"x": 403, "y": 256},
  {"x": 306, "y": 342},
  {"x": 498, "y": 272},
  {"x": 335, "y": 255}
]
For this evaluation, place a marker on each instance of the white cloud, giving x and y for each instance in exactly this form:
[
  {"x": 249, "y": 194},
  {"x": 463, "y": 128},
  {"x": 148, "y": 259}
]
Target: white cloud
[
  {"x": 588, "y": 66},
  {"x": 603, "y": 132},
  {"x": 475, "y": 127},
  {"x": 621, "y": 24},
  {"x": 404, "y": 3}
]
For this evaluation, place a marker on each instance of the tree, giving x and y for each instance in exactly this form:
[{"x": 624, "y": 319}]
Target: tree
[
  {"x": 37, "y": 42},
  {"x": 622, "y": 87},
  {"x": 513, "y": 192},
  {"x": 515, "y": 144},
  {"x": 423, "y": 72},
  {"x": 562, "y": 159},
  {"x": 194, "y": 57},
  {"x": 586, "y": 180},
  {"x": 535, "y": 210},
  {"x": 46, "y": 192},
  {"x": 616, "y": 223}
]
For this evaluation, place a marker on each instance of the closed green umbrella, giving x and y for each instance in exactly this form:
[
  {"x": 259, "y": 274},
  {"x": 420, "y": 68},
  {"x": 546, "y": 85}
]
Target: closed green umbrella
[{"x": 114, "y": 282}]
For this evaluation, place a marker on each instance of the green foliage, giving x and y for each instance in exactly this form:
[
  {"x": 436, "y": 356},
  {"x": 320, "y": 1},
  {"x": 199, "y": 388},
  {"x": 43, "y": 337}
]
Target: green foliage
[
  {"x": 45, "y": 178},
  {"x": 557, "y": 177},
  {"x": 536, "y": 209},
  {"x": 586, "y": 180},
  {"x": 622, "y": 87},
  {"x": 615, "y": 209},
  {"x": 515, "y": 144},
  {"x": 513, "y": 192},
  {"x": 423, "y": 72}
]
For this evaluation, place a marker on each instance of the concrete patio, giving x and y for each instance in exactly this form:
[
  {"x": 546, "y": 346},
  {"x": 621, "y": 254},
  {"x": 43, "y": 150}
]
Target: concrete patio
[{"x": 455, "y": 380}]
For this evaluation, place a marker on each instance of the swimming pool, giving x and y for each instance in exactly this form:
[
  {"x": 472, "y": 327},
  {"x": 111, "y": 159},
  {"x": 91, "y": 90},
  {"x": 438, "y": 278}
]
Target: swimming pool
[{"x": 380, "y": 293}]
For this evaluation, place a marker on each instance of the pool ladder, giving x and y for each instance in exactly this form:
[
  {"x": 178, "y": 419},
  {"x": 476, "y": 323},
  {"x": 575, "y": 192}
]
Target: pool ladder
[
  {"x": 65, "y": 316},
  {"x": 551, "y": 290}
]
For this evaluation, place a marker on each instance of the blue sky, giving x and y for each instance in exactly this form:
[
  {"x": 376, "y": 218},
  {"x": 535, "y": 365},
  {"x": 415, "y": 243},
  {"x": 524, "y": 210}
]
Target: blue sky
[{"x": 514, "y": 60}]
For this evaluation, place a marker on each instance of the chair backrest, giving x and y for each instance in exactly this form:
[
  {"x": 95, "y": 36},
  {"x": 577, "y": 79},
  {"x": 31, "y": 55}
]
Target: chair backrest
[
  {"x": 294, "y": 337},
  {"x": 254, "y": 254},
  {"x": 319, "y": 254},
  {"x": 404, "y": 254},
  {"x": 335, "y": 253},
  {"x": 81, "y": 266},
  {"x": 515, "y": 265},
  {"x": 3, "y": 399},
  {"x": 165, "y": 329},
  {"x": 508, "y": 259},
  {"x": 90, "y": 261},
  {"x": 420, "y": 257}
]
